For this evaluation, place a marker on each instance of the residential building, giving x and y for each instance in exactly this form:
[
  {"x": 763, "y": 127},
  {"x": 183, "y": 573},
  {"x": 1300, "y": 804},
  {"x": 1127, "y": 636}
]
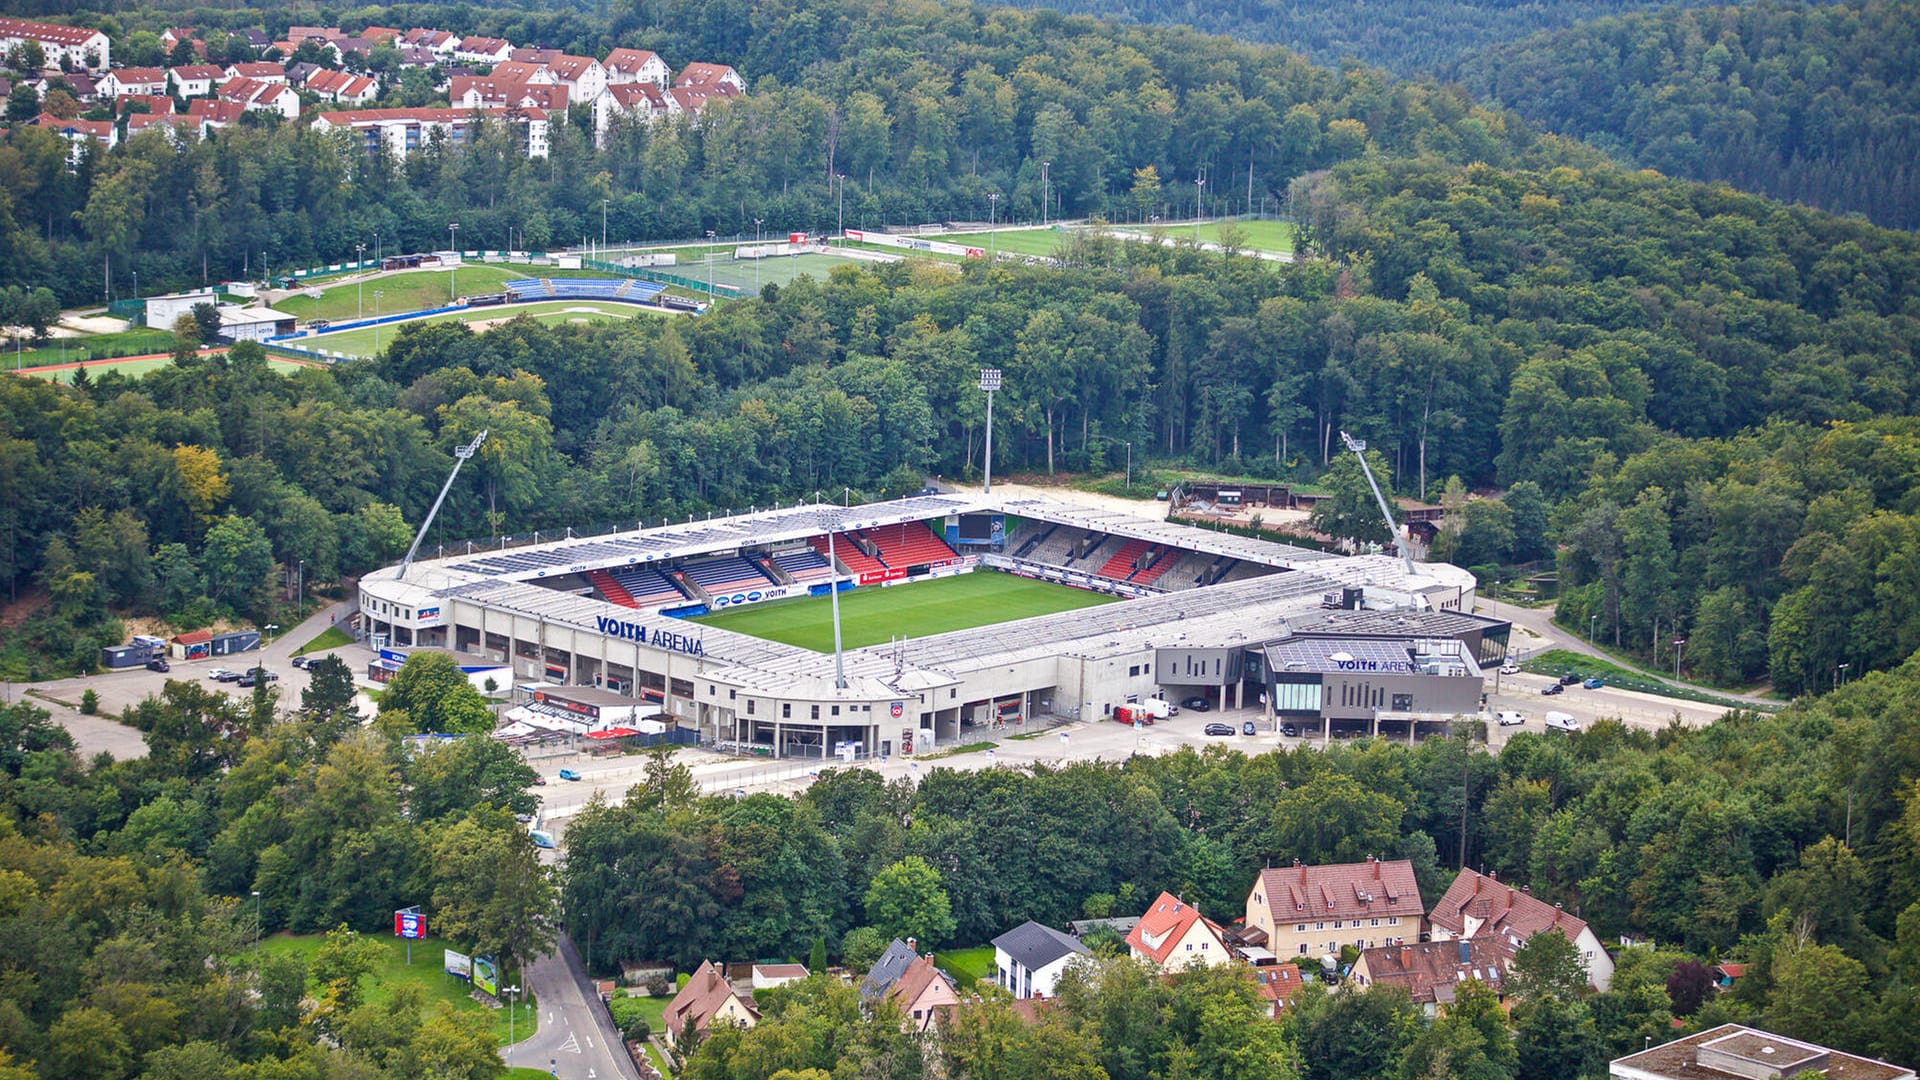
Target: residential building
[
  {"x": 343, "y": 87},
  {"x": 1432, "y": 972},
  {"x": 151, "y": 80},
  {"x": 693, "y": 99},
  {"x": 1314, "y": 910},
  {"x": 81, "y": 86},
  {"x": 924, "y": 994},
  {"x": 771, "y": 975},
  {"x": 1119, "y": 924},
  {"x": 583, "y": 76},
  {"x": 71, "y": 46},
  {"x": 80, "y": 133},
  {"x": 480, "y": 92},
  {"x": 483, "y": 50},
  {"x": 708, "y": 999},
  {"x": 402, "y": 131},
  {"x": 378, "y": 34},
  {"x": 1173, "y": 935},
  {"x": 174, "y": 35},
  {"x": 439, "y": 42},
  {"x": 259, "y": 70},
  {"x": 535, "y": 56},
  {"x": 256, "y": 39},
  {"x": 1029, "y": 959},
  {"x": 256, "y": 95},
  {"x": 1480, "y": 906},
  {"x": 514, "y": 71},
  {"x": 887, "y": 970},
  {"x": 156, "y": 104},
  {"x": 625, "y": 66},
  {"x": 710, "y": 76},
  {"x": 194, "y": 80},
  {"x": 643, "y": 101},
  {"x": 415, "y": 56},
  {"x": 214, "y": 113},
  {"x": 343, "y": 47},
  {"x": 1277, "y": 983},
  {"x": 1735, "y": 1052},
  {"x": 178, "y": 128}
]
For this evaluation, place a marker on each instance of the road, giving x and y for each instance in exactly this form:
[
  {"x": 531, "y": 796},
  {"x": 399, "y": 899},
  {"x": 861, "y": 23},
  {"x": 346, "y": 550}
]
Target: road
[{"x": 576, "y": 1039}]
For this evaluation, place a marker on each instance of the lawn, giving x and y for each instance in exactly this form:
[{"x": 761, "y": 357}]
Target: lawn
[
  {"x": 413, "y": 291},
  {"x": 1256, "y": 234},
  {"x": 871, "y": 615},
  {"x": 1042, "y": 241},
  {"x": 748, "y": 275},
  {"x": 655, "y": 1010},
  {"x": 331, "y": 638},
  {"x": 137, "y": 368},
  {"x": 426, "y": 971},
  {"x": 367, "y": 340},
  {"x": 967, "y": 966},
  {"x": 89, "y": 347}
]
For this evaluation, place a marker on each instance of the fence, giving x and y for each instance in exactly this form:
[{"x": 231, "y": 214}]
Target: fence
[{"x": 656, "y": 276}]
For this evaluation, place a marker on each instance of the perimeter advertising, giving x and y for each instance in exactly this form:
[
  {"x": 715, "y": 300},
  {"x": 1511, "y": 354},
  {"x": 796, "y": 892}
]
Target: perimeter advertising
[
  {"x": 457, "y": 963},
  {"x": 485, "y": 975}
]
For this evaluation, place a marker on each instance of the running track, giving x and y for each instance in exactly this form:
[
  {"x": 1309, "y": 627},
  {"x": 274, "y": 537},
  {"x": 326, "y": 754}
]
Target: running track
[{"x": 110, "y": 361}]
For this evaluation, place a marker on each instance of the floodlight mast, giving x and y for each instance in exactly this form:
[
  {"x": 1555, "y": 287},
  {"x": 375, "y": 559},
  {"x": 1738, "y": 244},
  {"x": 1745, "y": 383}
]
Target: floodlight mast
[
  {"x": 460, "y": 456},
  {"x": 1359, "y": 448}
]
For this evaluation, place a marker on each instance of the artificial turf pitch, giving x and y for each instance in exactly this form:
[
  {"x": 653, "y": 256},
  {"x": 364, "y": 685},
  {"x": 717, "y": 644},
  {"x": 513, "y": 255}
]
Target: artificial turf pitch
[{"x": 870, "y": 615}]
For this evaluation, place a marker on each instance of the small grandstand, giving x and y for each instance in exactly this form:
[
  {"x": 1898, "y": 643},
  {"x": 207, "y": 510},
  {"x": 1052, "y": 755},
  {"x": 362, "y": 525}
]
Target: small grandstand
[{"x": 624, "y": 290}]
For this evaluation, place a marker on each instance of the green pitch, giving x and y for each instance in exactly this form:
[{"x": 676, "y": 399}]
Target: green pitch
[
  {"x": 1043, "y": 241},
  {"x": 871, "y": 615},
  {"x": 367, "y": 340}
]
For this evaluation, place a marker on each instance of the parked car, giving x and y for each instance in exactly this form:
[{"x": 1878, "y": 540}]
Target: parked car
[
  {"x": 1559, "y": 721},
  {"x": 1509, "y": 668},
  {"x": 222, "y": 674},
  {"x": 1247, "y": 728},
  {"x": 1219, "y": 729},
  {"x": 542, "y": 839},
  {"x": 1197, "y": 704},
  {"x": 1594, "y": 683},
  {"x": 157, "y": 664},
  {"x": 569, "y": 774},
  {"x": 1510, "y": 718},
  {"x": 1554, "y": 688},
  {"x": 1570, "y": 678},
  {"x": 1289, "y": 731},
  {"x": 539, "y": 781},
  {"x": 303, "y": 662}
]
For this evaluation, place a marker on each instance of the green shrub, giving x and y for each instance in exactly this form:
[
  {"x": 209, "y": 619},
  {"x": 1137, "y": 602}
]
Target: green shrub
[{"x": 89, "y": 703}]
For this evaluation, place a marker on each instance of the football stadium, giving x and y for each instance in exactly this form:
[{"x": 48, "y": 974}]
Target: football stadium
[{"x": 955, "y": 613}]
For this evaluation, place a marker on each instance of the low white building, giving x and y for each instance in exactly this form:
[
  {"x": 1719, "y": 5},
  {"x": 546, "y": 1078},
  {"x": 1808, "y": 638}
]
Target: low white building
[
  {"x": 78, "y": 46},
  {"x": 253, "y": 323},
  {"x": 163, "y": 311},
  {"x": 402, "y": 131},
  {"x": 1029, "y": 959},
  {"x": 194, "y": 80}
]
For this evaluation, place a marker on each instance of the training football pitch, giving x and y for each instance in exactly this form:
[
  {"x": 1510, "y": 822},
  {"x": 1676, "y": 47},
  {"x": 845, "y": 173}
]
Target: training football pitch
[
  {"x": 367, "y": 340},
  {"x": 871, "y": 614}
]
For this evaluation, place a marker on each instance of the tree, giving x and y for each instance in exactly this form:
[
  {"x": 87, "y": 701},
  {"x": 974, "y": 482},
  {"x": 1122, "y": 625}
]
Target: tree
[
  {"x": 489, "y": 887},
  {"x": 237, "y": 559},
  {"x": 1350, "y": 512},
  {"x": 1547, "y": 967},
  {"x": 342, "y": 961},
  {"x": 86, "y": 1041},
  {"x": 906, "y": 900},
  {"x": 1821, "y": 994},
  {"x": 1332, "y": 818},
  {"x": 1557, "y": 1038},
  {"x": 433, "y": 694},
  {"x": 861, "y": 946},
  {"x": 23, "y": 103},
  {"x": 1689, "y": 987},
  {"x": 1469, "y": 1041},
  {"x": 467, "y": 775},
  {"x": 1359, "y": 1036},
  {"x": 1530, "y": 509}
]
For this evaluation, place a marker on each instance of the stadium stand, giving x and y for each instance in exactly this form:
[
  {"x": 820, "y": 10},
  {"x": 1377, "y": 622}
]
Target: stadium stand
[
  {"x": 1091, "y": 550},
  {"x": 1121, "y": 564},
  {"x": 804, "y": 565},
  {"x": 646, "y": 586},
  {"x": 1038, "y": 537},
  {"x": 625, "y": 290},
  {"x": 1158, "y": 562},
  {"x": 851, "y": 556},
  {"x": 725, "y": 575},
  {"x": 611, "y": 589},
  {"x": 912, "y": 544}
]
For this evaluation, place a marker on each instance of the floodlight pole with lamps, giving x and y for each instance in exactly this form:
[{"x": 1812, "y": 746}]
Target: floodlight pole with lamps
[
  {"x": 1128, "y": 443},
  {"x": 603, "y": 227},
  {"x": 989, "y": 381},
  {"x": 377, "y": 294},
  {"x": 1678, "y": 645},
  {"x": 759, "y": 256},
  {"x": 452, "y": 227},
  {"x": 841, "y": 180},
  {"x": 270, "y": 628},
  {"x": 1046, "y": 190},
  {"x": 1591, "y": 621},
  {"x": 712, "y": 293},
  {"x": 360, "y": 283},
  {"x": 1199, "y": 196},
  {"x": 256, "y": 917},
  {"x": 993, "y": 221},
  {"x": 1842, "y": 676}
]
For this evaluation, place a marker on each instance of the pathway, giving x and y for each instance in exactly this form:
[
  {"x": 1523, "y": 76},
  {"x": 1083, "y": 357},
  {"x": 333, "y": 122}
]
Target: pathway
[{"x": 576, "y": 1039}]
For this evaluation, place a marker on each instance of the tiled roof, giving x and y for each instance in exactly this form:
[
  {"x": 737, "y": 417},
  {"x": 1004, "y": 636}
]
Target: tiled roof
[
  {"x": 697, "y": 1001},
  {"x": 1034, "y": 946},
  {"x": 1277, "y": 983},
  {"x": 1372, "y": 889},
  {"x": 570, "y": 67},
  {"x": 514, "y": 71},
  {"x": 58, "y": 35},
  {"x": 887, "y": 970},
  {"x": 1508, "y": 914},
  {"x": 628, "y": 60},
  {"x": 1166, "y": 922},
  {"x": 215, "y": 110},
  {"x": 702, "y": 74},
  {"x": 129, "y": 76},
  {"x": 1432, "y": 972},
  {"x": 210, "y": 72}
]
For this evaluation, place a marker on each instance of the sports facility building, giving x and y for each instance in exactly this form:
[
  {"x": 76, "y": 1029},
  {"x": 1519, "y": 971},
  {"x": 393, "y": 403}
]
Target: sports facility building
[{"x": 681, "y": 616}]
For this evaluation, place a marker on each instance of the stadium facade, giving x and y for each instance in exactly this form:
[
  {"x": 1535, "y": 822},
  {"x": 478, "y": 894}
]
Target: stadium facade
[{"x": 1326, "y": 641}]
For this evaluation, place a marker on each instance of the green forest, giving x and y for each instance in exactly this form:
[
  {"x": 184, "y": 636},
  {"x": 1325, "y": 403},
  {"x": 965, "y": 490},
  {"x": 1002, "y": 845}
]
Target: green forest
[{"x": 1803, "y": 103}]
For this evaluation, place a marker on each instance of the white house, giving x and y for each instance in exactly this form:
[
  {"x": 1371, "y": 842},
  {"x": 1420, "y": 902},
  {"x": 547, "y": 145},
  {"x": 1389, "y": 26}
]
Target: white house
[
  {"x": 343, "y": 87},
  {"x": 483, "y": 50},
  {"x": 259, "y": 70},
  {"x": 402, "y": 131},
  {"x": 1029, "y": 959},
  {"x": 1173, "y": 935},
  {"x": 710, "y": 77},
  {"x": 194, "y": 80},
  {"x": 583, "y": 76},
  {"x": 1479, "y": 906},
  {"x": 78, "y": 46},
  {"x": 624, "y": 66},
  {"x": 258, "y": 95},
  {"x": 643, "y": 101},
  {"x": 145, "y": 81}
]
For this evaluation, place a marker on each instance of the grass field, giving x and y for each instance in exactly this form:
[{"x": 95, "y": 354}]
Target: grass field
[
  {"x": 89, "y": 347},
  {"x": 426, "y": 971},
  {"x": 871, "y": 615},
  {"x": 137, "y": 368},
  {"x": 740, "y": 273},
  {"x": 1258, "y": 235},
  {"x": 967, "y": 966},
  {"x": 414, "y": 291},
  {"x": 331, "y": 638},
  {"x": 367, "y": 340},
  {"x": 1042, "y": 241}
]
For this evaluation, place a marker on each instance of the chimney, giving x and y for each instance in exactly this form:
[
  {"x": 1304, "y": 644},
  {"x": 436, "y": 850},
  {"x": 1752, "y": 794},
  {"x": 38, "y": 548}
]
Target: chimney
[
  {"x": 913, "y": 946},
  {"x": 1495, "y": 875},
  {"x": 1528, "y": 889},
  {"x": 1406, "y": 957},
  {"x": 1296, "y": 862}
]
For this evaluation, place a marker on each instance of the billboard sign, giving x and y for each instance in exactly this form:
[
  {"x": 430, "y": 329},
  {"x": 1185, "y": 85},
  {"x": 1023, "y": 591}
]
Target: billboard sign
[
  {"x": 485, "y": 975},
  {"x": 410, "y": 924},
  {"x": 457, "y": 963}
]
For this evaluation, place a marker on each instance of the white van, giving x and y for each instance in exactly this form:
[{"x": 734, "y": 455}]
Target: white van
[
  {"x": 1510, "y": 718},
  {"x": 1559, "y": 721}
]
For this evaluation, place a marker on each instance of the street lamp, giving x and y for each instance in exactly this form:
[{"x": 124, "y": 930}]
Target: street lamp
[
  {"x": 509, "y": 991},
  {"x": 1199, "y": 191},
  {"x": 1591, "y": 620},
  {"x": 989, "y": 381},
  {"x": 256, "y": 916},
  {"x": 377, "y": 294},
  {"x": 452, "y": 268},
  {"x": 993, "y": 220},
  {"x": 1678, "y": 645},
  {"x": 270, "y": 628},
  {"x": 1842, "y": 676},
  {"x": 1046, "y": 190},
  {"x": 603, "y": 226},
  {"x": 360, "y": 283}
]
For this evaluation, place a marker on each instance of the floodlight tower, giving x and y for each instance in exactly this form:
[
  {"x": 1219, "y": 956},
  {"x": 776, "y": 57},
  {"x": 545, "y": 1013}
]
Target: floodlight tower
[
  {"x": 1359, "y": 448},
  {"x": 833, "y": 590},
  {"x": 460, "y": 456},
  {"x": 989, "y": 381}
]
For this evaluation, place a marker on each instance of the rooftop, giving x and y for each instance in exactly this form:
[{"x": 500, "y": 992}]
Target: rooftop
[{"x": 1736, "y": 1052}]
